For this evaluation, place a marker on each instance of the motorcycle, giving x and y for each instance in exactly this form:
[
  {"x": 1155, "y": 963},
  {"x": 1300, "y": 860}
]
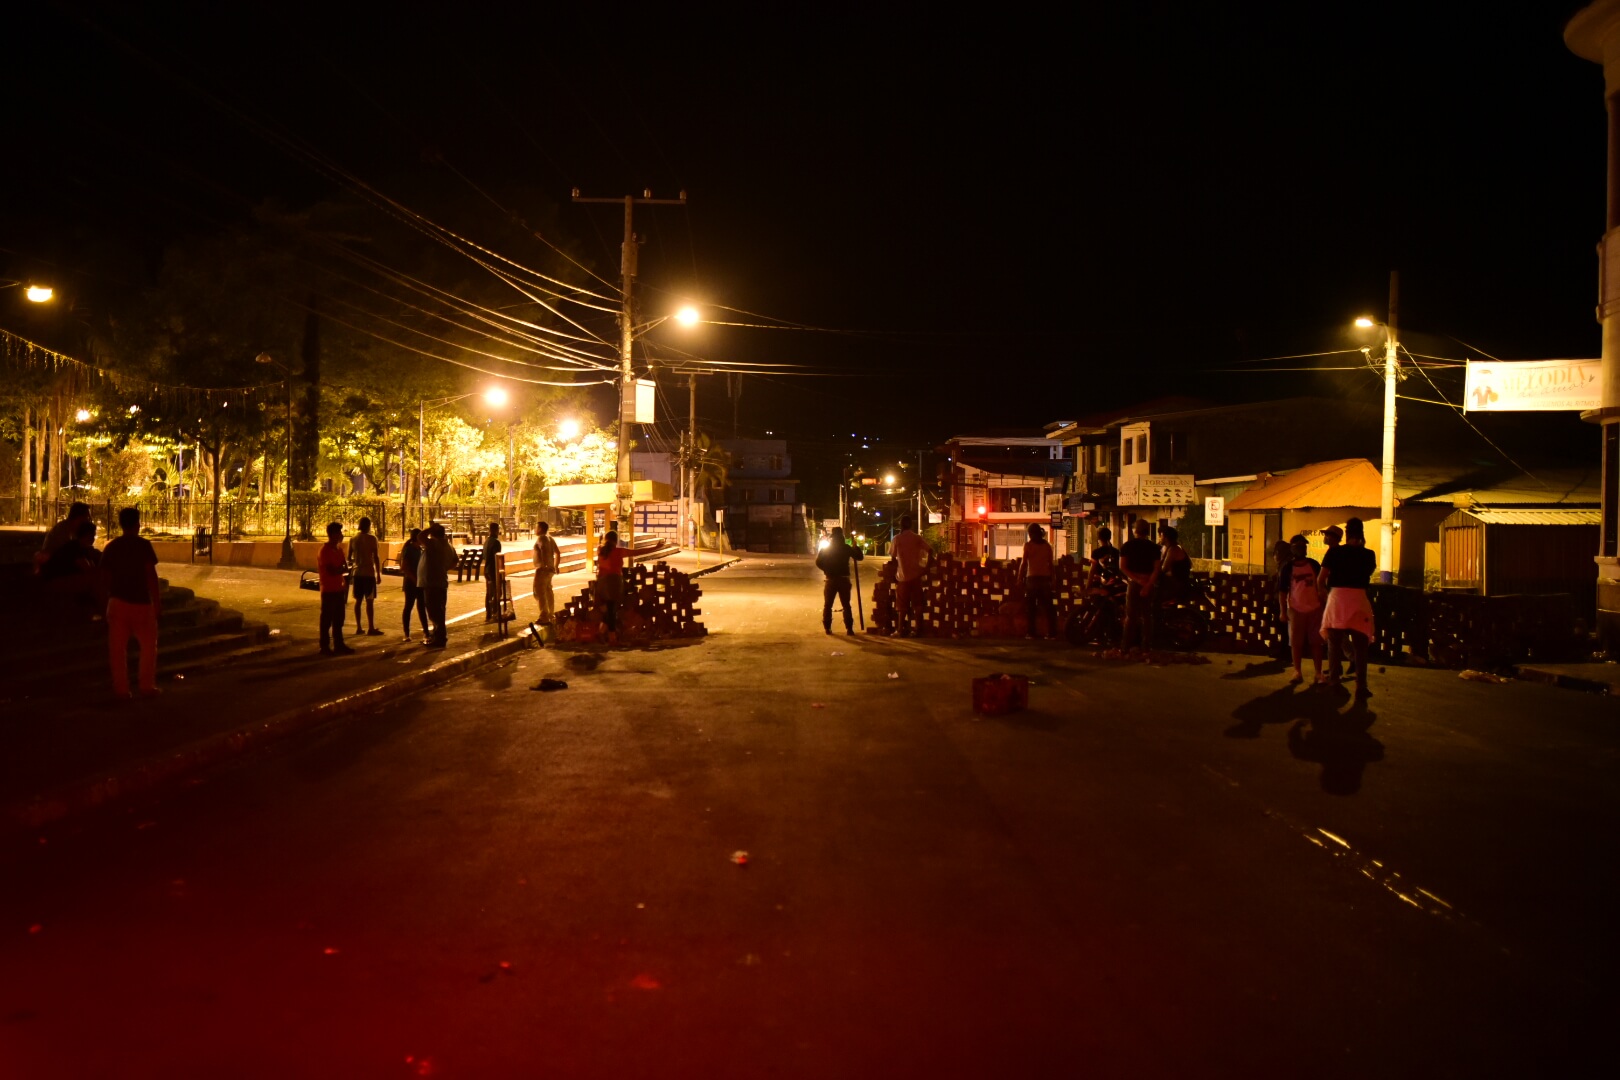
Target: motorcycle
[{"x": 1180, "y": 622}]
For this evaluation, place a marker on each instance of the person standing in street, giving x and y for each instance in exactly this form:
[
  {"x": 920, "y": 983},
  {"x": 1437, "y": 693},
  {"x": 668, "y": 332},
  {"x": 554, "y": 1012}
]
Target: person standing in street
[
  {"x": 433, "y": 573},
  {"x": 1035, "y": 575},
  {"x": 1139, "y": 561},
  {"x": 834, "y": 562},
  {"x": 134, "y": 603},
  {"x": 367, "y": 563},
  {"x": 547, "y": 557},
  {"x": 910, "y": 554},
  {"x": 1104, "y": 557},
  {"x": 610, "y": 583},
  {"x": 410, "y": 561},
  {"x": 492, "y": 585},
  {"x": 1346, "y": 572},
  {"x": 1175, "y": 565},
  {"x": 1303, "y": 604},
  {"x": 332, "y": 565}
]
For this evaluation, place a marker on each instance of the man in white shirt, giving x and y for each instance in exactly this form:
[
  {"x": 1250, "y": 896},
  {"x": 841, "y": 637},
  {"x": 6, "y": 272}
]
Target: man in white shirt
[{"x": 546, "y": 559}]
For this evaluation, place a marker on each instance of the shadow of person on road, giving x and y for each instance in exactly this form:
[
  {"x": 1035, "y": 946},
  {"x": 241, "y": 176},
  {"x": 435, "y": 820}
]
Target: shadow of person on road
[
  {"x": 1279, "y": 707},
  {"x": 1258, "y": 669},
  {"x": 1341, "y": 744}
]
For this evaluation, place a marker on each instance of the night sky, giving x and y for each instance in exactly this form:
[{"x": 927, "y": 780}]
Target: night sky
[{"x": 988, "y": 219}]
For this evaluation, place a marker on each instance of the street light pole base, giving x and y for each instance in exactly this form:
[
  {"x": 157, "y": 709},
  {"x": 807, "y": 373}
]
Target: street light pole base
[{"x": 289, "y": 561}]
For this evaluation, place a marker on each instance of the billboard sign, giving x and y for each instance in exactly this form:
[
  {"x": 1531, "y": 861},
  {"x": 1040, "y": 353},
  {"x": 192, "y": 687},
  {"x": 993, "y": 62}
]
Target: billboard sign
[
  {"x": 1533, "y": 386},
  {"x": 646, "y": 395},
  {"x": 1214, "y": 510},
  {"x": 1155, "y": 489}
]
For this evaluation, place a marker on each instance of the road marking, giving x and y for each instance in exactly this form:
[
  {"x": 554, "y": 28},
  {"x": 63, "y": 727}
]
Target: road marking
[{"x": 1374, "y": 870}]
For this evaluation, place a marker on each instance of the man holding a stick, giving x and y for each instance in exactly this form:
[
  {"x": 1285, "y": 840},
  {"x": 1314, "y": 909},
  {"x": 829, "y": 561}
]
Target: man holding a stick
[{"x": 835, "y": 561}]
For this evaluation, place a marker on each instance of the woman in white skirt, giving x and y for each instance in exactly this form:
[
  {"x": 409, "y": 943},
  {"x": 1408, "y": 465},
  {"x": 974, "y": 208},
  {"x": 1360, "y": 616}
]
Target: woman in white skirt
[{"x": 1346, "y": 572}]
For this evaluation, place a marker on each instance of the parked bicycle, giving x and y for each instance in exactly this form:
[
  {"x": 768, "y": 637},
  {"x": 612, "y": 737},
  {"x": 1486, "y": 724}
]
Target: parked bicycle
[{"x": 1180, "y": 622}]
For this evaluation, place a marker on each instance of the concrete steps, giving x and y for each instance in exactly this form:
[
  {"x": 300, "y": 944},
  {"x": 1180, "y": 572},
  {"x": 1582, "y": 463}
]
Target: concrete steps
[{"x": 194, "y": 632}]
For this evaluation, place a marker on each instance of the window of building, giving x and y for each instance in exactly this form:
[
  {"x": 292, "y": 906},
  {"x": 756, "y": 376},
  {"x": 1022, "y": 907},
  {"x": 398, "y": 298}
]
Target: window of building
[
  {"x": 778, "y": 495},
  {"x": 776, "y": 462},
  {"x": 1129, "y": 447},
  {"x": 1015, "y": 500},
  {"x": 1141, "y": 449},
  {"x": 748, "y": 494},
  {"x": 1176, "y": 444}
]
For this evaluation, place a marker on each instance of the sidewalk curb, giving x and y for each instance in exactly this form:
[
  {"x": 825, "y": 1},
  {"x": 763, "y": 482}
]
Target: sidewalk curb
[
  {"x": 1531, "y": 673},
  {"x": 715, "y": 567},
  {"x": 150, "y": 773}
]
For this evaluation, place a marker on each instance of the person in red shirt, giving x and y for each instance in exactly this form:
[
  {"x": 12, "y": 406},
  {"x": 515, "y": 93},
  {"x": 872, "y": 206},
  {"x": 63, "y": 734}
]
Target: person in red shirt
[
  {"x": 1035, "y": 574},
  {"x": 610, "y": 583},
  {"x": 129, "y": 564},
  {"x": 332, "y": 564},
  {"x": 909, "y": 553}
]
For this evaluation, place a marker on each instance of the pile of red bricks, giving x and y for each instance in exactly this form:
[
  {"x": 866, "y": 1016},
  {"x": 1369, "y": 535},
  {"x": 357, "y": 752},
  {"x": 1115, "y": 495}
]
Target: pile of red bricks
[
  {"x": 965, "y": 599},
  {"x": 658, "y": 603}
]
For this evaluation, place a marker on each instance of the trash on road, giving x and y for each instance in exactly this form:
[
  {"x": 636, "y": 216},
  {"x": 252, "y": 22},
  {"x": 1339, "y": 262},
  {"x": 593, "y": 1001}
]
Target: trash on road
[
  {"x": 1482, "y": 676},
  {"x": 997, "y": 694},
  {"x": 274, "y": 632},
  {"x": 838, "y": 654},
  {"x": 740, "y": 858},
  {"x": 894, "y": 674},
  {"x": 550, "y": 684}
]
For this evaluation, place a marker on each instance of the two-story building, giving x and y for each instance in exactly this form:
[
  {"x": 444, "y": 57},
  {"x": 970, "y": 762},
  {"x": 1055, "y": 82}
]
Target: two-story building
[
  {"x": 763, "y": 511},
  {"x": 999, "y": 485},
  {"x": 1161, "y": 459}
]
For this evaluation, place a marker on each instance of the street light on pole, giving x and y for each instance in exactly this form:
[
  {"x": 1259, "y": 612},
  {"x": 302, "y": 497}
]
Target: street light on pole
[
  {"x": 625, "y": 493},
  {"x": 1386, "y": 508}
]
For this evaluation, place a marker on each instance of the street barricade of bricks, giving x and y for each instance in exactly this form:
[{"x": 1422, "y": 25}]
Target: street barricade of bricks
[
  {"x": 962, "y": 598},
  {"x": 659, "y": 603}
]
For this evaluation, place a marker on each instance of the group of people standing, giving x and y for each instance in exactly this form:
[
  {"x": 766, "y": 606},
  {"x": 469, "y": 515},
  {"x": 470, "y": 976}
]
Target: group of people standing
[
  {"x": 425, "y": 563},
  {"x": 1328, "y": 600}
]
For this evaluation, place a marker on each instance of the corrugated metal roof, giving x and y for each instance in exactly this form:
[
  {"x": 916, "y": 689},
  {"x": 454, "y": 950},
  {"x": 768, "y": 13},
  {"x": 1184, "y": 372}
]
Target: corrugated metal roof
[
  {"x": 1538, "y": 517},
  {"x": 1348, "y": 482}
]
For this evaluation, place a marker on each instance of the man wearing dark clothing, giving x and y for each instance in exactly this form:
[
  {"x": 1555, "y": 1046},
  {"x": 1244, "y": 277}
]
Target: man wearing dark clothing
[
  {"x": 410, "y": 561},
  {"x": 65, "y": 530},
  {"x": 76, "y": 558},
  {"x": 834, "y": 561},
  {"x": 1139, "y": 560},
  {"x": 1104, "y": 556},
  {"x": 492, "y": 587},
  {"x": 438, "y": 556}
]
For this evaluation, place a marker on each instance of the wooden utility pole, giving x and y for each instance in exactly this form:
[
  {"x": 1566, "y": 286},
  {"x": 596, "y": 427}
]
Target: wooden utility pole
[{"x": 624, "y": 505}]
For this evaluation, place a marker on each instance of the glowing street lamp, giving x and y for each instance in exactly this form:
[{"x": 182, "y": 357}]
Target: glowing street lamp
[
  {"x": 39, "y": 294},
  {"x": 688, "y": 316},
  {"x": 568, "y": 430},
  {"x": 495, "y": 397}
]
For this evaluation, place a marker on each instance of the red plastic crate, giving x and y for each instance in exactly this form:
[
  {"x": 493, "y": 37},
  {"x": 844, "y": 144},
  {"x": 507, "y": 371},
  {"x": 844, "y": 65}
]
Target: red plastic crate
[{"x": 994, "y": 695}]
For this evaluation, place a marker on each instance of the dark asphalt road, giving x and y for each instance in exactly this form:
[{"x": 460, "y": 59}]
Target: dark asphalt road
[{"x": 1174, "y": 871}]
